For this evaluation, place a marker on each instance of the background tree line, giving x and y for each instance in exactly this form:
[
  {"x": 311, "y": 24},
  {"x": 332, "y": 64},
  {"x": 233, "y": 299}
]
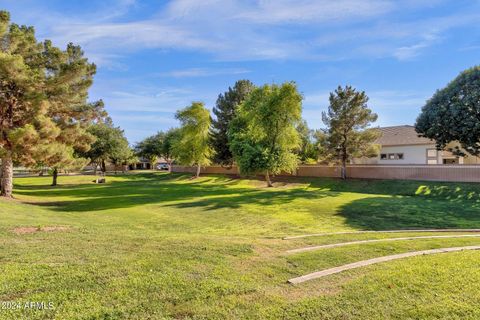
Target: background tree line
[
  {"x": 260, "y": 129},
  {"x": 46, "y": 119}
]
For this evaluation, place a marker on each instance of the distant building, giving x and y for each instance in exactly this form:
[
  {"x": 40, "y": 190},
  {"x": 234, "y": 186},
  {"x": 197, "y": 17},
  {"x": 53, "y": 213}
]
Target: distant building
[
  {"x": 144, "y": 164},
  {"x": 402, "y": 145}
]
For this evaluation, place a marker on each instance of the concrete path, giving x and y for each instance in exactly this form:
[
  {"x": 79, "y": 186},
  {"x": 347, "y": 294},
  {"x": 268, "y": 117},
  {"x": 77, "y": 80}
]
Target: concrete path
[
  {"x": 341, "y": 244},
  {"x": 384, "y": 231},
  {"x": 363, "y": 263}
]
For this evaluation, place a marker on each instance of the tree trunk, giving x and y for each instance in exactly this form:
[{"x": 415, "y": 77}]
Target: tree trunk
[
  {"x": 103, "y": 166},
  {"x": 344, "y": 169},
  {"x": 55, "y": 176},
  {"x": 198, "y": 171},
  {"x": 267, "y": 178},
  {"x": 169, "y": 163},
  {"x": 95, "y": 165},
  {"x": 6, "y": 183},
  {"x": 344, "y": 157}
]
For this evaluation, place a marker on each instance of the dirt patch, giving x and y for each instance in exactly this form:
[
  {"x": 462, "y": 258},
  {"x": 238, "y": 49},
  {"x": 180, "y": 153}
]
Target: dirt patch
[
  {"x": 55, "y": 228},
  {"x": 26, "y": 230}
]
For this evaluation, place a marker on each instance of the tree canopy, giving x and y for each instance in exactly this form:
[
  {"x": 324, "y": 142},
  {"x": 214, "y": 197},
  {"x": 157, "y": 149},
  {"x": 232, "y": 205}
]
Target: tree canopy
[
  {"x": 453, "y": 115},
  {"x": 43, "y": 109},
  {"x": 192, "y": 146},
  {"x": 110, "y": 145},
  {"x": 225, "y": 110},
  {"x": 171, "y": 136},
  {"x": 347, "y": 135},
  {"x": 151, "y": 148},
  {"x": 263, "y": 135},
  {"x": 307, "y": 151}
]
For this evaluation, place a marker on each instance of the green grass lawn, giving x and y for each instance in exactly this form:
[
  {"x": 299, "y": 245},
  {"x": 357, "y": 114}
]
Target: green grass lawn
[{"x": 162, "y": 246}]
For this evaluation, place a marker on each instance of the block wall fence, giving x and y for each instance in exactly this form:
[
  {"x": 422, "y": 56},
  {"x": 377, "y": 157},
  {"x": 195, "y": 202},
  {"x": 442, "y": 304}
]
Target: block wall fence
[{"x": 455, "y": 173}]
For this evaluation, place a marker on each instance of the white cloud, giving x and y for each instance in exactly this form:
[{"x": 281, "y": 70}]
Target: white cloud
[
  {"x": 409, "y": 52},
  {"x": 233, "y": 30},
  {"x": 202, "y": 72},
  {"x": 141, "y": 97},
  {"x": 316, "y": 11}
]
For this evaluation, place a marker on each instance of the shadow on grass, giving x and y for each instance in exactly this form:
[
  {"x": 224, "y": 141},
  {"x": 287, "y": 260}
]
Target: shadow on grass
[
  {"x": 452, "y": 191},
  {"x": 267, "y": 197},
  {"x": 410, "y": 212},
  {"x": 209, "y": 193},
  {"x": 399, "y": 204}
]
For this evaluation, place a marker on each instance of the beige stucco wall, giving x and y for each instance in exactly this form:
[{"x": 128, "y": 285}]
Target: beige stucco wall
[
  {"x": 414, "y": 154},
  {"x": 466, "y": 160},
  {"x": 471, "y": 160}
]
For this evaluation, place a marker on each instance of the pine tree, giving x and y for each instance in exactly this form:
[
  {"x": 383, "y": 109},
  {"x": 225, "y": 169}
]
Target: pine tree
[
  {"x": 347, "y": 135},
  {"x": 225, "y": 110},
  {"x": 43, "y": 92}
]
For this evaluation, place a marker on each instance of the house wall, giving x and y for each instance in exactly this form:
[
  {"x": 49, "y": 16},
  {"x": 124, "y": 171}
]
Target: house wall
[
  {"x": 471, "y": 160},
  {"x": 416, "y": 154},
  {"x": 413, "y": 154}
]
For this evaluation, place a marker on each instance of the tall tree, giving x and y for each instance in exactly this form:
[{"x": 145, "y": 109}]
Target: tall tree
[
  {"x": 151, "y": 148},
  {"x": 192, "y": 147},
  {"x": 307, "y": 151},
  {"x": 110, "y": 145},
  {"x": 65, "y": 153},
  {"x": 43, "y": 92},
  {"x": 263, "y": 135},
  {"x": 225, "y": 110},
  {"x": 453, "y": 115},
  {"x": 171, "y": 136},
  {"x": 347, "y": 135},
  {"x": 122, "y": 155}
]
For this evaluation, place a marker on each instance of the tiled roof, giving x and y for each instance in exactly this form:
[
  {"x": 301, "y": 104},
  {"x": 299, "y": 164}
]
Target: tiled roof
[{"x": 401, "y": 135}]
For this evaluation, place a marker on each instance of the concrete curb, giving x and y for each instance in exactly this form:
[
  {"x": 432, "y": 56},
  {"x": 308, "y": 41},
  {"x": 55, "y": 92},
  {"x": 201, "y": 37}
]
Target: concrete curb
[
  {"x": 326, "y": 272},
  {"x": 385, "y": 231},
  {"x": 341, "y": 244}
]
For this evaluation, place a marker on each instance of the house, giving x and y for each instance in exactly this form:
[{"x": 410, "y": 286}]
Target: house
[
  {"x": 402, "y": 145},
  {"x": 145, "y": 164}
]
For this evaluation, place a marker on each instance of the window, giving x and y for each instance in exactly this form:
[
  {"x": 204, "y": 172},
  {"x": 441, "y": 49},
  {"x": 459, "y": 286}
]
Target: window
[
  {"x": 391, "y": 156},
  {"x": 432, "y": 156},
  {"x": 431, "y": 153}
]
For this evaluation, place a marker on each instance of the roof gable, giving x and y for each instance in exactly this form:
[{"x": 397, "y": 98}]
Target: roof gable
[{"x": 401, "y": 135}]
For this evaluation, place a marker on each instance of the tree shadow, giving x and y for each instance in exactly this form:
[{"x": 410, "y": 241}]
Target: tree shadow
[
  {"x": 411, "y": 212},
  {"x": 386, "y": 204},
  {"x": 452, "y": 191},
  {"x": 177, "y": 190},
  {"x": 266, "y": 198}
]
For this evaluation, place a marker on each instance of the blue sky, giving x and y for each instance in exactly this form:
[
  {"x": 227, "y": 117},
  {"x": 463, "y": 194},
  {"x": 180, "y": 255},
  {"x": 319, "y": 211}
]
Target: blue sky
[{"x": 155, "y": 57}]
